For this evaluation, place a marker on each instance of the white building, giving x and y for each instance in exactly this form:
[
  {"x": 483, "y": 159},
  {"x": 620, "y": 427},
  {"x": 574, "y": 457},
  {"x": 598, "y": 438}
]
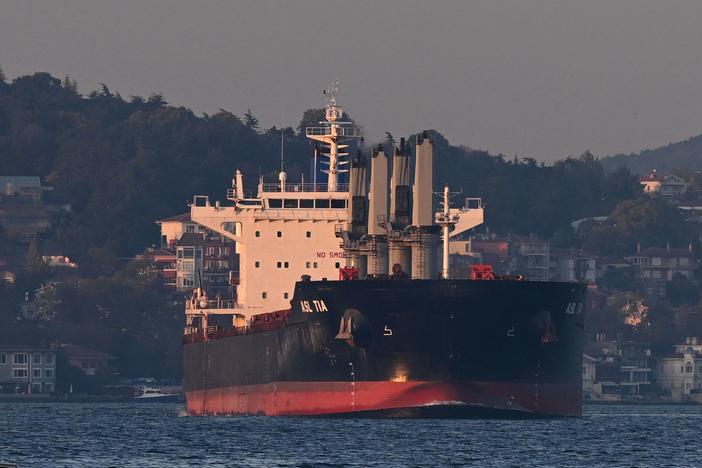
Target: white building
[{"x": 680, "y": 374}]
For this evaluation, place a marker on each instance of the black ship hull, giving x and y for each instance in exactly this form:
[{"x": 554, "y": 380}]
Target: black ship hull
[{"x": 399, "y": 348}]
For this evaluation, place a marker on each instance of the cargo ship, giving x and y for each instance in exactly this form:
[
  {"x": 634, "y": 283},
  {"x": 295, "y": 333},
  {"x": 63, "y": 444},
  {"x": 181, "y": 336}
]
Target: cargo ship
[{"x": 344, "y": 304}]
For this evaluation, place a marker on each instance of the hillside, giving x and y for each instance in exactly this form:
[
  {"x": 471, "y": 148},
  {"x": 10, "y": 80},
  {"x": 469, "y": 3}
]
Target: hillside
[{"x": 685, "y": 156}]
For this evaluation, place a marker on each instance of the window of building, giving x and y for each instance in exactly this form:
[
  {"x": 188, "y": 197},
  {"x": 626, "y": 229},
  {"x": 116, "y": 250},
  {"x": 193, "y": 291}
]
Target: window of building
[
  {"x": 308, "y": 264},
  {"x": 225, "y": 251},
  {"x": 188, "y": 282},
  {"x": 308, "y": 234},
  {"x": 49, "y": 373},
  {"x": 3, "y": 358},
  {"x": 188, "y": 252},
  {"x": 279, "y": 234},
  {"x": 306, "y": 203},
  {"x": 285, "y": 295},
  {"x": 19, "y": 373},
  {"x": 257, "y": 234},
  {"x": 36, "y": 373},
  {"x": 257, "y": 264},
  {"x": 337, "y": 265},
  {"x": 190, "y": 228},
  {"x": 287, "y": 265},
  {"x": 264, "y": 295},
  {"x": 36, "y": 358},
  {"x": 36, "y": 388},
  {"x": 656, "y": 261},
  {"x": 314, "y": 265},
  {"x": 48, "y": 387},
  {"x": 49, "y": 358},
  {"x": 279, "y": 264},
  {"x": 20, "y": 358},
  {"x": 688, "y": 367}
]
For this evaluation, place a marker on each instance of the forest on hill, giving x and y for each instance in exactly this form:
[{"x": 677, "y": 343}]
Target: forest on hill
[
  {"x": 124, "y": 162},
  {"x": 682, "y": 158}
]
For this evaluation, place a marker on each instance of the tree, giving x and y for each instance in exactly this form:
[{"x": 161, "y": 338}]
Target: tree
[
  {"x": 70, "y": 85},
  {"x": 157, "y": 100},
  {"x": 251, "y": 121},
  {"x": 681, "y": 291}
]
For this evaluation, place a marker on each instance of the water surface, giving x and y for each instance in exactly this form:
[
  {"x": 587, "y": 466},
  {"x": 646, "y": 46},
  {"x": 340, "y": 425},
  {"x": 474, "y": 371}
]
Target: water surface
[{"x": 125, "y": 434}]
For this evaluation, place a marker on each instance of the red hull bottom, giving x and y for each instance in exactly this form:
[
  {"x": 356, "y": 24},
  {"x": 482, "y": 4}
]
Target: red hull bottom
[{"x": 403, "y": 399}]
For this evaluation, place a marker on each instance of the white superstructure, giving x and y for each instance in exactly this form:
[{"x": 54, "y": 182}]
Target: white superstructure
[{"x": 293, "y": 229}]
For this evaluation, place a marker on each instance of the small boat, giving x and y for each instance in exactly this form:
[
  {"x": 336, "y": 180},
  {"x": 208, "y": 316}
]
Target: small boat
[{"x": 155, "y": 395}]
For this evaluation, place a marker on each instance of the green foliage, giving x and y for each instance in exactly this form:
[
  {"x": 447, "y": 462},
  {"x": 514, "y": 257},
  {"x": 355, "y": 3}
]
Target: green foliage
[
  {"x": 620, "y": 279},
  {"x": 681, "y": 291},
  {"x": 251, "y": 121}
]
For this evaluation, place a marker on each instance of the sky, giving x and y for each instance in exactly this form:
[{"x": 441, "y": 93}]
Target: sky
[{"x": 537, "y": 78}]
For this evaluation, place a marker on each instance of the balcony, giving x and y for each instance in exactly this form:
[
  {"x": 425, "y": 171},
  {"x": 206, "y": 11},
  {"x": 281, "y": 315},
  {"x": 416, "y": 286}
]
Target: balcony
[{"x": 304, "y": 188}]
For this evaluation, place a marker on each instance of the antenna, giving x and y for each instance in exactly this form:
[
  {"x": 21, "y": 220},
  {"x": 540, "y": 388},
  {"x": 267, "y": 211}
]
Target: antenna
[{"x": 282, "y": 142}]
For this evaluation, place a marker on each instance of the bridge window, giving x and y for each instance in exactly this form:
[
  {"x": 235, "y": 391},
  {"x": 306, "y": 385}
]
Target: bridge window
[
  {"x": 290, "y": 203},
  {"x": 338, "y": 203},
  {"x": 321, "y": 203},
  {"x": 304, "y": 203},
  {"x": 275, "y": 203}
]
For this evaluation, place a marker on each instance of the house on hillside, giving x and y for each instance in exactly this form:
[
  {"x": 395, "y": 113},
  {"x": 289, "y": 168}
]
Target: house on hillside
[
  {"x": 670, "y": 186},
  {"x": 572, "y": 265},
  {"x": 197, "y": 253}
]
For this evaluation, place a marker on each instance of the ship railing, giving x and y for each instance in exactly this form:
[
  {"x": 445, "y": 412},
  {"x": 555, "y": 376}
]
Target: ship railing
[
  {"x": 348, "y": 132},
  {"x": 306, "y": 187},
  {"x": 212, "y": 304},
  {"x": 473, "y": 203}
]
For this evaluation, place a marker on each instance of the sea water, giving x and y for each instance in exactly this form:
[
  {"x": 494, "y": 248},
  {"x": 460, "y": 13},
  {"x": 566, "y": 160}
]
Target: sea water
[{"x": 162, "y": 434}]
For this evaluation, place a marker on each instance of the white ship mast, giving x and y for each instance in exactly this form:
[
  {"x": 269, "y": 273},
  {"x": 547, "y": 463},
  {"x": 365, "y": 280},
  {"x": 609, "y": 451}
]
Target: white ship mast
[{"x": 332, "y": 134}]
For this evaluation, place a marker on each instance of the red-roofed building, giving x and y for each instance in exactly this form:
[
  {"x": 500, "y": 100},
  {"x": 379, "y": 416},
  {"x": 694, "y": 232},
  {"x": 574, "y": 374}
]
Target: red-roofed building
[{"x": 670, "y": 186}]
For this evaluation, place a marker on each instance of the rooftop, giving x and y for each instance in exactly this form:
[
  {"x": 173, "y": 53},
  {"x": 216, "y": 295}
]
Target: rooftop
[
  {"x": 183, "y": 217},
  {"x": 73, "y": 352}
]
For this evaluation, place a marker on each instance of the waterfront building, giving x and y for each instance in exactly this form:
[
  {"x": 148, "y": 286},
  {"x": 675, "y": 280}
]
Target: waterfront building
[
  {"x": 27, "y": 370},
  {"x": 679, "y": 375},
  {"x": 89, "y": 361}
]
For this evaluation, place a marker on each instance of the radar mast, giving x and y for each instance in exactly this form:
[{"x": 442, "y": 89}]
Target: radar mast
[{"x": 334, "y": 135}]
